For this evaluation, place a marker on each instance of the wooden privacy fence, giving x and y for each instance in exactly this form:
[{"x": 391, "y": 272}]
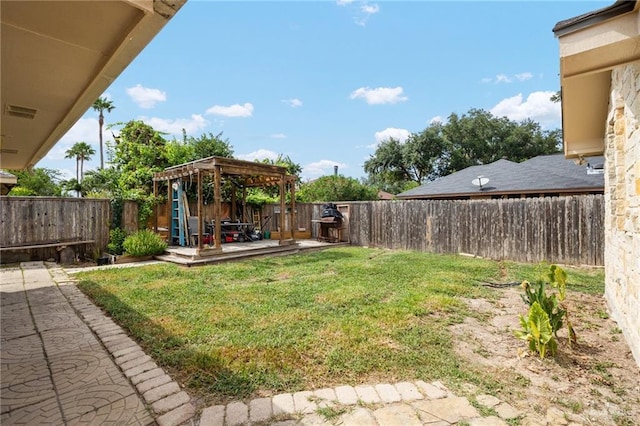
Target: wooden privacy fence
[
  {"x": 28, "y": 221},
  {"x": 568, "y": 230}
]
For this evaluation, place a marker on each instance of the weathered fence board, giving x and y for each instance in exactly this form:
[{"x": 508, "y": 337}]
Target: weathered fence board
[
  {"x": 567, "y": 230},
  {"x": 37, "y": 220}
]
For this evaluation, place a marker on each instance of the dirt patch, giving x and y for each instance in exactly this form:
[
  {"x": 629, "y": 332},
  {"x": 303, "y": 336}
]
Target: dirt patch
[{"x": 594, "y": 382}]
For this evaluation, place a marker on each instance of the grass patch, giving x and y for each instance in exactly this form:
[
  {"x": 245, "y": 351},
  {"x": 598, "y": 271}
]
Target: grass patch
[{"x": 283, "y": 324}]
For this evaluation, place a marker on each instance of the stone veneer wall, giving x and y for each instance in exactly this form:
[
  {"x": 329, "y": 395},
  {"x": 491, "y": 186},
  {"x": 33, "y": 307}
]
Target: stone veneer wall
[{"x": 622, "y": 203}]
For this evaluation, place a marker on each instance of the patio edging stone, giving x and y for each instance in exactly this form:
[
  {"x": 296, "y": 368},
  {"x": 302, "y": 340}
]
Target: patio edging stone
[{"x": 165, "y": 399}]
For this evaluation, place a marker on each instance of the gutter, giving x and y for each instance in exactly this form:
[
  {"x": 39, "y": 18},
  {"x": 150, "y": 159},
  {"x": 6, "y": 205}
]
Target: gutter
[{"x": 592, "y": 18}]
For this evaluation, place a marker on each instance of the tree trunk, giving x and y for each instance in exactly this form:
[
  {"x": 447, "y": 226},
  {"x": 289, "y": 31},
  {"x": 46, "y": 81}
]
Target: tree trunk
[{"x": 101, "y": 122}]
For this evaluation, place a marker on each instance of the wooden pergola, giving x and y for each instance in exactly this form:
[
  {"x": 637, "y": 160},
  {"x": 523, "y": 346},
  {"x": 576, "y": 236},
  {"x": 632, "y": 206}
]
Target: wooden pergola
[{"x": 243, "y": 175}]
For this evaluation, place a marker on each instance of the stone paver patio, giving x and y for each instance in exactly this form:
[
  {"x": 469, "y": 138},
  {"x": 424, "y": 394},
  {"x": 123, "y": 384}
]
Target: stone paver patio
[{"x": 64, "y": 362}]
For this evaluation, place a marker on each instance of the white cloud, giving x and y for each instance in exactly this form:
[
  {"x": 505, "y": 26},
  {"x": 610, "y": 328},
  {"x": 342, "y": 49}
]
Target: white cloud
[
  {"x": 66, "y": 174},
  {"x": 260, "y": 154},
  {"x": 370, "y": 9},
  {"x": 502, "y": 78},
  {"x": 436, "y": 119},
  {"x": 322, "y": 167},
  {"x": 145, "y": 97},
  {"x": 235, "y": 110},
  {"x": 538, "y": 107},
  {"x": 85, "y": 130},
  {"x": 174, "y": 126},
  {"x": 293, "y": 103},
  {"x": 400, "y": 135},
  {"x": 524, "y": 76},
  {"x": 278, "y": 136},
  {"x": 343, "y": 2},
  {"x": 380, "y": 95},
  {"x": 365, "y": 12}
]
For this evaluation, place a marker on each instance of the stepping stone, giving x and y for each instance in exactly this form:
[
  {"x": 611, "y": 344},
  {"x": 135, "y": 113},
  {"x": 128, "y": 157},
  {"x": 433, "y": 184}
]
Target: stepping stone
[
  {"x": 359, "y": 417},
  {"x": 408, "y": 391},
  {"x": 506, "y": 411},
  {"x": 346, "y": 395},
  {"x": 302, "y": 402},
  {"x": 431, "y": 391},
  {"x": 452, "y": 409},
  {"x": 260, "y": 410},
  {"x": 367, "y": 394},
  {"x": 213, "y": 416},
  {"x": 237, "y": 414},
  {"x": 388, "y": 393},
  {"x": 283, "y": 404},
  {"x": 487, "y": 400},
  {"x": 397, "y": 415}
]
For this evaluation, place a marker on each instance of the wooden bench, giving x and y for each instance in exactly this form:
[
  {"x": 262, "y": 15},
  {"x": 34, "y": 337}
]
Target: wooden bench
[
  {"x": 59, "y": 244},
  {"x": 63, "y": 257}
]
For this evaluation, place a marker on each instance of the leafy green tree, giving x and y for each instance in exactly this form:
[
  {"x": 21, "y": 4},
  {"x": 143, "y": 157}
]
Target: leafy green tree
[
  {"x": 418, "y": 159},
  {"x": 191, "y": 149},
  {"x": 139, "y": 152},
  {"x": 101, "y": 183},
  {"x": 41, "y": 182},
  {"x": 474, "y": 138},
  {"x": 101, "y": 105},
  {"x": 481, "y": 138},
  {"x": 335, "y": 188}
]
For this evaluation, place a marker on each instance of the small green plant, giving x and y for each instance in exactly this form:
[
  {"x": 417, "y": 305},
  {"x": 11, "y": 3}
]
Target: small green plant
[
  {"x": 537, "y": 293},
  {"x": 550, "y": 310},
  {"x": 144, "y": 243},
  {"x": 536, "y": 329},
  {"x": 116, "y": 239}
]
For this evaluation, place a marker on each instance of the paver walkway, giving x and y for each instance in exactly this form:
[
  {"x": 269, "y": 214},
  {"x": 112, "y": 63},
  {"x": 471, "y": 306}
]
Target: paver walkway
[
  {"x": 64, "y": 362},
  {"x": 402, "y": 404}
]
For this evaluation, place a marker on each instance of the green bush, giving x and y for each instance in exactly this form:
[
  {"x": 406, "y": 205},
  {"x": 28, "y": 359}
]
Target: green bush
[
  {"x": 116, "y": 239},
  {"x": 144, "y": 243}
]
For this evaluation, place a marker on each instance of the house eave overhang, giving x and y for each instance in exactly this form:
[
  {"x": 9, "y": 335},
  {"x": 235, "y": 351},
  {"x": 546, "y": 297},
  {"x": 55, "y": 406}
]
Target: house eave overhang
[
  {"x": 58, "y": 57},
  {"x": 591, "y": 45}
]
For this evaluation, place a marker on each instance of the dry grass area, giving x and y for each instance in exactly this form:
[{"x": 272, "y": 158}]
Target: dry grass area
[{"x": 595, "y": 382}]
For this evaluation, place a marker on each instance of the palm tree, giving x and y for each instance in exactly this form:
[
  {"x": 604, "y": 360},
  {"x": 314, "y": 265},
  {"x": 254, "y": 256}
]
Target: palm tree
[
  {"x": 102, "y": 104},
  {"x": 73, "y": 153},
  {"x": 81, "y": 151}
]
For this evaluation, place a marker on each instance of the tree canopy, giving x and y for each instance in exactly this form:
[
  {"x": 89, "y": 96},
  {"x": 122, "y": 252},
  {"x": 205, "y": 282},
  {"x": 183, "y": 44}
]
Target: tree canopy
[
  {"x": 474, "y": 138},
  {"x": 41, "y": 182},
  {"x": 335, "y": 188}
]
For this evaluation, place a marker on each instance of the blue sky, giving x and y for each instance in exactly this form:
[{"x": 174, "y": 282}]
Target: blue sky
[{"x": 323, "y": 82}]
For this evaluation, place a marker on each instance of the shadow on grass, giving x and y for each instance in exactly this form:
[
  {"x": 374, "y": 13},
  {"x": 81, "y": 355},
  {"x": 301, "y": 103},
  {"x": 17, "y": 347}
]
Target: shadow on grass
[{"x": 197, "y": 370}]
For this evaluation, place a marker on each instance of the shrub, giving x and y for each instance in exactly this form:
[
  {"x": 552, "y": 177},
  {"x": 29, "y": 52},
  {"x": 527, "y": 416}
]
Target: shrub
[
  {"x": 116, "y": 239},
  {"x": 144, "y": 243}
]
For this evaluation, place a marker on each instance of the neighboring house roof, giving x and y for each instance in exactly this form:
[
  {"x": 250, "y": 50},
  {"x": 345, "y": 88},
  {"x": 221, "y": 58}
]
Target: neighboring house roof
[
  {"x": 383, "y": 195},
  {"x": 542, "y": 174}
]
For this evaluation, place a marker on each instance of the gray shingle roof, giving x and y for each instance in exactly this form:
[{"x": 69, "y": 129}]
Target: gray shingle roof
[{"x": 546, "y": 173}]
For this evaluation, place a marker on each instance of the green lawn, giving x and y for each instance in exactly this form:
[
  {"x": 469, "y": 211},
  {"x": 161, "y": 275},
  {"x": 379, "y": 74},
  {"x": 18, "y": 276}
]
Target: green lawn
[{"x": 339, "y": 316}]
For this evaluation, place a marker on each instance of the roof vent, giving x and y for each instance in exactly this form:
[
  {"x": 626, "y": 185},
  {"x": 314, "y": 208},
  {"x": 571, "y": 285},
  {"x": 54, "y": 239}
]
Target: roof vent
[{"x": 21, "y": 112}]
